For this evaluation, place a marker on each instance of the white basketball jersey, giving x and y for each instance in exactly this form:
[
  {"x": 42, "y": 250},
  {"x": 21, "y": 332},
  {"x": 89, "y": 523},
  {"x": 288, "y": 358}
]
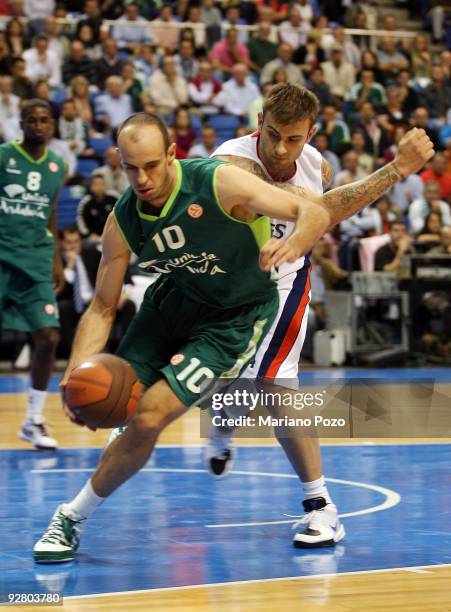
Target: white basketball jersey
[{"x": 308, "y": 174}]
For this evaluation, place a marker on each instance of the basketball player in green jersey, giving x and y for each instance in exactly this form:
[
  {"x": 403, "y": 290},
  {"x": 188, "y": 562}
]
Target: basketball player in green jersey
[
  {"x": 199, "y": 223},
  {"x": 31, "y": 177}
]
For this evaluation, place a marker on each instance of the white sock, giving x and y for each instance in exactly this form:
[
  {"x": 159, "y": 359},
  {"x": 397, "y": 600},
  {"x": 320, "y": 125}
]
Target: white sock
[
  {"x": 36, "y": 401},
  {"x": 316, "y": 488},
  {"x": 86, "y": 501}
]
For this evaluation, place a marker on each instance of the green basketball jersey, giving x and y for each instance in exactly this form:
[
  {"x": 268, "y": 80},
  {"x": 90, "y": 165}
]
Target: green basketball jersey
[
  {"x": 211, "y": 257},
  {"x": 28, "y": 189}
]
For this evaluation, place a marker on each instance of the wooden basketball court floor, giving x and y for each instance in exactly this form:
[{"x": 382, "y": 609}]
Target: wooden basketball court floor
[{"x": 172, "y": 538}]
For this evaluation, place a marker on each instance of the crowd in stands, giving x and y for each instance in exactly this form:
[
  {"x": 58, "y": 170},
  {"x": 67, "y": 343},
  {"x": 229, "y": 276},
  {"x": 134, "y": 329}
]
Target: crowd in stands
[{"x": 209, "y": 83}]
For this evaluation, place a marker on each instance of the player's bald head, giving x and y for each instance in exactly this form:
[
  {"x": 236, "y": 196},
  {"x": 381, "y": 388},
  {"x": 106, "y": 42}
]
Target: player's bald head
[{"x": 133, "y": 128}]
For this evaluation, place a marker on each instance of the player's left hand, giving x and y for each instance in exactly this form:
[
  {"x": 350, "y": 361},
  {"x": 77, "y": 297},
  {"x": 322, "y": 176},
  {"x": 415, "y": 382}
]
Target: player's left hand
[
  {"x": 414, "y": 150},
  {"x": 277, "y": 252}
]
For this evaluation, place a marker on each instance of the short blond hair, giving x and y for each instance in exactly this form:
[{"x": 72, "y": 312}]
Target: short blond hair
[{"x": 288, "y": 103}]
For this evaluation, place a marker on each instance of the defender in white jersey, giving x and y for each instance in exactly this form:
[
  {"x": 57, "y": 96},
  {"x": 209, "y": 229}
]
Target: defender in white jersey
[{"x": 279, "y": 152}]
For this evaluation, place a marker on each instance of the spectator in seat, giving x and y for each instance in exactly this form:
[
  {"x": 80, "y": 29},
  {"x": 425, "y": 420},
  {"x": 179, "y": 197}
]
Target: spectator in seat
[
  {"x": 351, "y": 53},
  {"x": 57, "y": 41},
  {"x": 9, "y": 105},
  {"x": 131, "y": 37},
  {"x": 22, "y": 85},
  {"x": 92, "y": 16},
  {"x": 338, "y": 74},
  {"x": 351, "y": 171},
  {"x": 187, "y": 65},
  {"x": 431, "y": 202},
  {"x": 317, "y": 86},
  {"x": 112, "y": 172},
  {"x": 437, "y": 95},
  {"x": 310, "y": 57},
  {"x": 367, "y": 90},
  {"x": 445, "y": 242},
  {"x": 93, "y": 49},
  {"x": 409, "y": 97},
  {"x": 185, "y": 136},
  {"x": 370, "y": 62},
  {"x": 393, "y": 114},
  {"x": 294, "y": 30},
  {"x": 337, "y": 130},
  {"x": 283, "y": 60},
  {"x": 238, "y": 93},
  {"x": 376, "y": 137},
  {"x": 261, "y": 49},
  {"x": 321, "y": 142},
  {"x": 16, "y": 37},
  {"x": 81, "y": 262},
  {"x": 232, "y": 19},
  {"x": 227, "y": 52},
  {"x": 133, "y": 86},
  {"x": 383, "y": 214},
  {"x": 203, "y": 89},
  {"x": 72, "y": 129},
  {"x": 110, "y": 64},
  {"x": 389, "y": 257},
  {"x": 79, "y": 91},
  {"x": 94, "y": 208},
  {"x": 421, "y": 57},
  {"x": 165, "y": 37},
  {"x": 430, "y": 232},
  {"x": 420, "y": 119},
  {"x": 42, "y": 63},
  {"x": 208, "y": 143},
  {"x": 437, "y": 173},
  {"x": 145, "y": 63},
  {"x": 405, "y": 192},
  {"x": 167, "y": 89},
  {"x": 114, "y": 106},
  {"x": 365, "y": 161},
  {"x": 391, "y": 60},
  {"x": 78, "y": 64}
]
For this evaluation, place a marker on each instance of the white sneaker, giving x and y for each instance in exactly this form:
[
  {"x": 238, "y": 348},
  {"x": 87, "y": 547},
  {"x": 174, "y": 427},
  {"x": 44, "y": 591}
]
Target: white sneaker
[
  {"x": 219, "y": 458},
  {"x": 37, "y": 434},
  {"x": 60, "y": 542},
  {"x": 320, "y": 526}
]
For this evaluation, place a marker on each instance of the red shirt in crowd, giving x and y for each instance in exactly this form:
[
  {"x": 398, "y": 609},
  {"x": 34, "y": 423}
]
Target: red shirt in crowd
[{"x": 444, "y": 180}]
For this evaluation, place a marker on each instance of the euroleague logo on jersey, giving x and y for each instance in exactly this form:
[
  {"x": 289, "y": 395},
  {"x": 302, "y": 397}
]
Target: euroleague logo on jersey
[
  {"x": 176, "y": 359},
  {"x": 195, "y": 211},
  {"x": 53, "y": 167}
]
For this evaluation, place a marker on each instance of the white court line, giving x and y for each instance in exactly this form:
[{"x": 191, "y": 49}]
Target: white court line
[
  {"x": 257, "y": 580},
  {"x": 392, "y": 498}
]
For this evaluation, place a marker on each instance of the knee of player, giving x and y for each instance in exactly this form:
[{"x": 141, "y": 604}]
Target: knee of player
[
  {"x": 46, "y": 339},
  {"x": 152, "y": 415}
]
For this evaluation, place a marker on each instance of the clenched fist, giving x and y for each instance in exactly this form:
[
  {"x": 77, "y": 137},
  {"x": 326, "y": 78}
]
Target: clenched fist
[{"x": 414, "y": 150}]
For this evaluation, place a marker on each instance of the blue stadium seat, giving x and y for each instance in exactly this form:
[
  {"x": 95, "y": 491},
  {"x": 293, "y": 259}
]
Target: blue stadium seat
[
  {"x": 196, "y": 124},
  {"x": 100, "y": 144},
  {"x": 86, "y": 166},
  {"x": 225, "y": 125},
  {"x": 67, "y": 206}
]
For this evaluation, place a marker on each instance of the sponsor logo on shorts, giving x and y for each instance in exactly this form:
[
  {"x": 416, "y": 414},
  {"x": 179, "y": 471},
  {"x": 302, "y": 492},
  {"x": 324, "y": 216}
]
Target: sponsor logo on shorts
[
  {"x": 195, "y": 211},
  {"x": 53, "y": 167},
  {"x": 49, "y": 309},
  {"x": 176, "y": 359}
]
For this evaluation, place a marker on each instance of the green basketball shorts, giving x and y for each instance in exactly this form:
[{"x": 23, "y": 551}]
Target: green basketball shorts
[
  {"x": 188, "y": 343},
  {"x": 25, "y": 304}
]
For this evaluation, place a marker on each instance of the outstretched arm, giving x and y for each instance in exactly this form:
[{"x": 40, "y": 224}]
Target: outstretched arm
[{"x": 414, "y": 150}]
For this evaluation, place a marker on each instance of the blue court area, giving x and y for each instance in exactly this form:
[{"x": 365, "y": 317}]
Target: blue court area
[
  {"x": 173, "y": 525},
  {"x": 20, "y": 383}
]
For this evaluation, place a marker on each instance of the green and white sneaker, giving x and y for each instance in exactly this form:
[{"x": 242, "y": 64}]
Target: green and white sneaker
[{"x": 60, "y": 542}]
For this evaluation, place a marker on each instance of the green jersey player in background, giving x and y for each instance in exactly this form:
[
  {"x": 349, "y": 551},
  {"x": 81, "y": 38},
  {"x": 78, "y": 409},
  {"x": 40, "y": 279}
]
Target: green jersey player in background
[{"x": 31, "y": 177}]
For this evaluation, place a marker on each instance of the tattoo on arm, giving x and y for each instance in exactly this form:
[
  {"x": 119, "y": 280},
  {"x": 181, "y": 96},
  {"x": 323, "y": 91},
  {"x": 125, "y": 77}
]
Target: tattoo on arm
[
  {"x": 327, "y": 173},
  {"x": 349, "y": 199},
  {"x": 254, "y": 168}
]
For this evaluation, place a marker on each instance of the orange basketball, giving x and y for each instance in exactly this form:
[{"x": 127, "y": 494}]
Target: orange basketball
[{"x": 103, "y": 391}]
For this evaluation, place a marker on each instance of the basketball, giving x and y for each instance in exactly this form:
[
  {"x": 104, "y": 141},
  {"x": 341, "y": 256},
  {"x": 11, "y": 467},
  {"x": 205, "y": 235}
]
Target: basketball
[{"x": 103, "y": 391}]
